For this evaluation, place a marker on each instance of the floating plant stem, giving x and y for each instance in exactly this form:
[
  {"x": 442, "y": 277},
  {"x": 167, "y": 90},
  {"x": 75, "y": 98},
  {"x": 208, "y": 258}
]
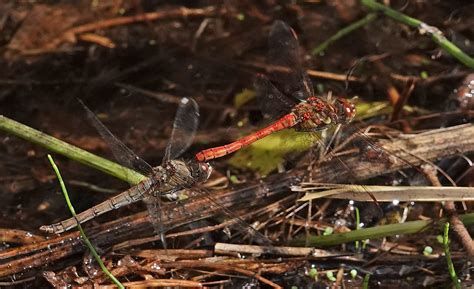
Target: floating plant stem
[{"x": 58, "y": 146}]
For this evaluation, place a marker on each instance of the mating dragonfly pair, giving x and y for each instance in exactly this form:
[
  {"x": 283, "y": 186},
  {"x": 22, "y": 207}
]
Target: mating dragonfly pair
[{"x": 287, "y": 96}]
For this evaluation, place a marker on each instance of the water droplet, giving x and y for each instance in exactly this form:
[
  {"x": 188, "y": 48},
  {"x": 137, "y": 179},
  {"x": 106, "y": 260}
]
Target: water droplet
[{"x": 155, "y": 266}]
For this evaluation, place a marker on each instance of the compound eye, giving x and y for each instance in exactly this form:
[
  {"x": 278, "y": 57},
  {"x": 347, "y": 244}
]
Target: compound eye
[
  {"x": 206, "y": 168},
  {"x": 346, "y": 110}
]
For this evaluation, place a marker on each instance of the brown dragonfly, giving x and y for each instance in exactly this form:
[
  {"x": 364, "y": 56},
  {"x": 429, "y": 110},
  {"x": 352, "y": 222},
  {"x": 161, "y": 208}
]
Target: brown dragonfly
[{"x": 173, "y": 175}]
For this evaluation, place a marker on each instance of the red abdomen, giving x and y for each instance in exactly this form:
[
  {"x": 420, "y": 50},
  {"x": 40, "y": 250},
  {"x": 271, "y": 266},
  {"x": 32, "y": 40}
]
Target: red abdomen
[{"x": 286, "y": 121}]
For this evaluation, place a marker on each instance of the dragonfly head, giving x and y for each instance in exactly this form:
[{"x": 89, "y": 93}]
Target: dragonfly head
[
  {"x": 345, "y": 110},
  {"x": 200, "y": 171}
]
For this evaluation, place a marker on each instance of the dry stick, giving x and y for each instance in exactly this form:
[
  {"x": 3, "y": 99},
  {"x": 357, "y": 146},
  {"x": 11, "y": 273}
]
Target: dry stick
[
  {"x": 175, "y": 253},
  {"x": 19, "y": 236},
  {"x": 223, "y": 248},
  {"x": 450, "y": 208},
  {"x": 431, "y": 145},
  {"x": 221, "y": 267},
  {"x": 405, "y": 152},
  {"x": 157, "y": 283},
  {"x": 312, "y": 73}
]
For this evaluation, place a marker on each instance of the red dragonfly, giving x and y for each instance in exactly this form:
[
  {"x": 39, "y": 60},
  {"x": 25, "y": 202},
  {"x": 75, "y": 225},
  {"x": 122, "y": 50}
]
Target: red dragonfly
[
  {"x": 288, "y": 96},
  {"x": 310, "y": 114}
]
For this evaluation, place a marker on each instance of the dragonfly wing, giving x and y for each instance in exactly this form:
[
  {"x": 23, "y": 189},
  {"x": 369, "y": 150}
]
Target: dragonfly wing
[
  {"x": 185, "y": 125},
  {"x": 238, "y": 221},
  {"x": 284, "y": 51},
  {"x": 122, "y": 153},
  {"x": 153, "y": 204},
  {"x": 270, "y": 100}
]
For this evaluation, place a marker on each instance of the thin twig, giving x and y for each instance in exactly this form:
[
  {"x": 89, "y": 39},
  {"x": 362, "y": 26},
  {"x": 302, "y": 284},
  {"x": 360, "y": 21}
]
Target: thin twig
[
  {"x": 72, "y": 33},
  {"x": 450, "y": 208}
]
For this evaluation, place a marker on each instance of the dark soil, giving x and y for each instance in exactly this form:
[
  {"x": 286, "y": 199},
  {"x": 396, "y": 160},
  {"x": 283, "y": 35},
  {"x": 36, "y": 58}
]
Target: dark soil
[{"x": 212, "y": 52}]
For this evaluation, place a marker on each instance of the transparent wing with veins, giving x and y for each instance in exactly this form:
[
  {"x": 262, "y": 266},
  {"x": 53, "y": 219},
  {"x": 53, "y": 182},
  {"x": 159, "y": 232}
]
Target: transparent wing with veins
[
  {"x": 237, "y": 221},
  {"x": 128, "y": 158},
  {"x": 276, "y": 95},
  {"x": 284, "y": 52},
  {"x": 271, "y": 101},
  {"x": 185, "y": 125},
  {"x": 121, "y": 152},
  {"x": 184, "y": 128}
]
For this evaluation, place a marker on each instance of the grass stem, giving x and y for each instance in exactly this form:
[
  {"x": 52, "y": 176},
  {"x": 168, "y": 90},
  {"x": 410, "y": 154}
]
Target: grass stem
[
  {"x": 447, "y": 252},
  {"x": 436, "y": 35},
  {"x": 343, "y": 32},
  {"x": 83, "y": 235},
  {"x": 375, "y": 232}
]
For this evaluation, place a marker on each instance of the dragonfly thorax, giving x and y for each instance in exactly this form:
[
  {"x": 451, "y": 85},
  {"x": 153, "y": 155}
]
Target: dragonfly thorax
[
  {"x": 316, "y": 113},
  {"x": 313, "y": 114},
  {"x": 178, "y": 173}
]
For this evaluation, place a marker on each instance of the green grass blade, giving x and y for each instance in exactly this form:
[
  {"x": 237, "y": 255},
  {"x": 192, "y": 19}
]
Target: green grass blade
[
  {"x": 83, "y": 235},
  {"x": 374, "y": 232},
  {"x": 447, "y": 252},
  {"x": 365, "y": 283},
  {"x": 344, "y": 31},
  {"x": 357, "y": 215}
]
